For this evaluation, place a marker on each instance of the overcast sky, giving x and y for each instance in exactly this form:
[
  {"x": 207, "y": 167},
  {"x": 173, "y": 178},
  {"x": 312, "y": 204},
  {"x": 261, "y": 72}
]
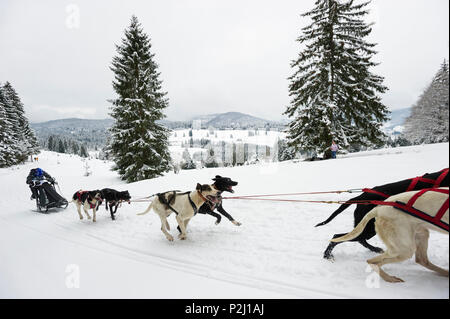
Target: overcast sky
[{"x": 214, "y": 56}]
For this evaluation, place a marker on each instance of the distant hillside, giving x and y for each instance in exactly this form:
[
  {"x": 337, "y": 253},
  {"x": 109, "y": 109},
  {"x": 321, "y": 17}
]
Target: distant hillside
[
  {"x": 93, "y": 133},
  {"x": 235, "y": 120}
]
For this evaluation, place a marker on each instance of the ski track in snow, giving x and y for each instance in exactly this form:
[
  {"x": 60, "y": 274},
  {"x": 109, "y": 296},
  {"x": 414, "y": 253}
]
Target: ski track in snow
[{"x": 276, "y": 253}]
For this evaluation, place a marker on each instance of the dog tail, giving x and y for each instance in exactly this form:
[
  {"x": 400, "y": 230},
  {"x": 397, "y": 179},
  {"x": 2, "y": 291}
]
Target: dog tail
[
  {"x": 358, "y": 229},
  {"x": 335, "y": 213},
  {"x": 147, "y": 210}
]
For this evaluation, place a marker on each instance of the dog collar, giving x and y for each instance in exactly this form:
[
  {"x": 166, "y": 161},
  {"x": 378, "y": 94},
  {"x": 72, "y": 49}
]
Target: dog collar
[{"x": 201, "y": 196}]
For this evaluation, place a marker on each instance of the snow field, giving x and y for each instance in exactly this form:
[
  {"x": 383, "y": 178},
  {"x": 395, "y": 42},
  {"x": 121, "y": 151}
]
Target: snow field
[{"x": 276, "y": 253}]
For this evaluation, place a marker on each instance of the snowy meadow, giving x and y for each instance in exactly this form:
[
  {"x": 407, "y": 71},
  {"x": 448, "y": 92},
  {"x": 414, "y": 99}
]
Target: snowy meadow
[{"x": 275, "y": 253}]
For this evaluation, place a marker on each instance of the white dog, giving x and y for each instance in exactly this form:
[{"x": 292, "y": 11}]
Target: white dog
[
  {"x": 404, "y": 234},
  {"x": 184, "y": 205}
]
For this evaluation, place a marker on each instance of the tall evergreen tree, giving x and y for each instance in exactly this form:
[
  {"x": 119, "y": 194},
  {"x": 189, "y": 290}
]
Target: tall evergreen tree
[
  {"x": 7, "y": 151},
  {"x": 18, "y": 144},
  {"x": 334, "y": 94},
  {"x": 429, "y": 119},
  {"x": 17, "y": 138},
  {"x": 61, "y": 148},
  {"x": 83, "y": 151},
  {"x": 139, "y": 145},
  {"x": 27, "y": 135},
  {"x": 51, "y": 144}
]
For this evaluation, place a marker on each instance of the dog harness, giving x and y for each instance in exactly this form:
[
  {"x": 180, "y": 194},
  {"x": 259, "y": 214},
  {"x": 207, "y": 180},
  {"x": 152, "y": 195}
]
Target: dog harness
[
  {"x": 435, "y": 184},
  {"x": 91, "y": 205},
  {"x": 171, "y": 198},
  {"x": 411, "y": 210}
]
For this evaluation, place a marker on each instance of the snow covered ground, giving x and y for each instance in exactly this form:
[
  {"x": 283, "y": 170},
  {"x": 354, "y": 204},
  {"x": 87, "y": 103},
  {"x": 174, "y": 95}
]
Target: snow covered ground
[{"x": 276, "y": 253}]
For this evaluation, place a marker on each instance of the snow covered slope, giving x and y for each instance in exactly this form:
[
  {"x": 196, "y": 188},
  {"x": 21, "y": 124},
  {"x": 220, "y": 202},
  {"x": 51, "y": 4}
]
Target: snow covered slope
[{"x": 276, "y": 253}]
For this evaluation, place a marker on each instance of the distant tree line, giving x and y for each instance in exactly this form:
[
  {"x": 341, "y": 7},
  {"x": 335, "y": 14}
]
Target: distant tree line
[
  {"x": 17, "y": 139},
  {"x": 66, "y": 145}
]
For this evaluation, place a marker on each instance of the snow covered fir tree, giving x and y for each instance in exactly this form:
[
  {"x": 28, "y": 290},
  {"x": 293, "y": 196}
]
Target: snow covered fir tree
[
  {"x": 139, "y": 145},
  {"x": 17, "y": 139},
  {"x": 429, "y": 119},
  {"x": 334, "y": 93}
]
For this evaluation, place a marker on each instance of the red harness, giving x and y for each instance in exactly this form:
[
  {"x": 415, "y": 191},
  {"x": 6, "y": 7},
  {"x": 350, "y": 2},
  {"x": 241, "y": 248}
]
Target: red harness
[
  {"x": 435, "y": 183},
  {"x": 409, "y": 209},
  {"x": 79, "y": 193}
]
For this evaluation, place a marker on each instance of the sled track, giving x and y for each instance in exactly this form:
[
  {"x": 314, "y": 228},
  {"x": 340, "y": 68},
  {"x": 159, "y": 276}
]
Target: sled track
[
  {"x": 198, "y": 269},
  {"x": 107, "y": 246}
]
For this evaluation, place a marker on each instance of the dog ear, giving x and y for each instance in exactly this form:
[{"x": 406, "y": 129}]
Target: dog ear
[{"x": 199, "y": 187}]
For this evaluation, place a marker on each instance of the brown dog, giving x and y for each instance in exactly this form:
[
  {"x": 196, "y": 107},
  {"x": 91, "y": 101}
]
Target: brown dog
[
  {"x": 404, "y": 234},
  {"x": 184, "y": 205}
]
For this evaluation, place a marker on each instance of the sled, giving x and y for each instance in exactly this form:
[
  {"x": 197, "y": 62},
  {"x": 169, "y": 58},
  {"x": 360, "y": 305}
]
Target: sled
[{"x": 47, "y": 196}]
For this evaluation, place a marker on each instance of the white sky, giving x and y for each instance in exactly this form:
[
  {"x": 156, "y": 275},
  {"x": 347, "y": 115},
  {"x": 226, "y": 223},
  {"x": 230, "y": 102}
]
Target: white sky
[{"x": 214, "y": 56}]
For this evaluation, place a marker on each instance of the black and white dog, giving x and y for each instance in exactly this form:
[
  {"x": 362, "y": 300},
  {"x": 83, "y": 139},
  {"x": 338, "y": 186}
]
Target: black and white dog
[
  {"x": 87, "y": 200},
  {"x": 425, "y": 181},
  {"x": 222, "y": 184},
  {"x": 114, "y": 198}
]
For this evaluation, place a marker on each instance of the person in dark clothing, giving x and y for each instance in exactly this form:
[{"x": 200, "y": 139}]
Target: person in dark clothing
[
  {"x": 42, "y": 187},
  {"x": 35, "y": 179}
]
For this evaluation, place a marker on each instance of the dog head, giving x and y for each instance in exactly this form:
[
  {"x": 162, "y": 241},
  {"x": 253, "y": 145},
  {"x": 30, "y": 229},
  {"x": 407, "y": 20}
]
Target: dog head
[
  {"x": 125, "y": 196},
  {"x": 224, "y": 184},
  {"x": 96, "y": 196},
  {"x": 210, "y": 192}
]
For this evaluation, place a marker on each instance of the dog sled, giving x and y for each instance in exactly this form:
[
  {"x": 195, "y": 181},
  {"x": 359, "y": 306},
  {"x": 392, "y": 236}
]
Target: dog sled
[{"x": 43, "y": 190}]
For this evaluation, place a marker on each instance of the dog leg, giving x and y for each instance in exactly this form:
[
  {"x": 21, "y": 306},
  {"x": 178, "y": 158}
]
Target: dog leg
[
  {"x": 111, "y": 207},
  {"x": 167, "y": 225},
  {"x": 218, "y": 217},
  {"x": 183, "y": 234},
  {"x": 327, "y": 254},
  {"x": 94, "y": 219},
  {"x": 370, "y": 247},
  {"x": 383, "y": 259},
  {"x": 186, "y": 222},
  {"x": 86, "y": 212},
  {"x": 224, "y": 213},
  {"x": 79, "y": 211},
  {"x": 163, "y": 228},
  {"x": 421, "y": 252},
  {"x": 399, "y": 247},
  {"x": 367, "y": 233}
]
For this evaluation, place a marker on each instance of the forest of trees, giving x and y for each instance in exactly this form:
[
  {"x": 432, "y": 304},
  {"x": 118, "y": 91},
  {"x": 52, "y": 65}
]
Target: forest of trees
[
  {"x": 66, "y": 145},
  {"x": 17, "y": 140},
  {"x": 429, "y": 119}
]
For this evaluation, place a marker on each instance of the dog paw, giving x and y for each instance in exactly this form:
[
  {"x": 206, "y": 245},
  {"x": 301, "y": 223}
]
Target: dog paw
[
  {"x": 182, "y": 237},
  {"x": 236, "y": 223},
  {"x": 169, "y": 238},
  {"x": 393, "y": 279}
]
